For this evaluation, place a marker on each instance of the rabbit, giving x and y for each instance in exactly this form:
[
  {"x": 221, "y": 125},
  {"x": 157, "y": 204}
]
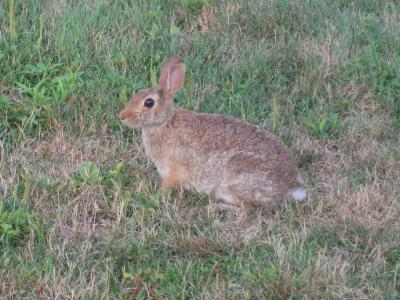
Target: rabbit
[{"x": 240, "y": 164}]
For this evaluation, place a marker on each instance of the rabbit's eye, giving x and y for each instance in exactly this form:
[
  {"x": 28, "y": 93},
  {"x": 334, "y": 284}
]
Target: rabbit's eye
[{"x": 149, "y": 102}]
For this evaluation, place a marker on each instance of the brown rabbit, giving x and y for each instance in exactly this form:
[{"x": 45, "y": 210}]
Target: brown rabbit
[{"x": 240, "y": 164}]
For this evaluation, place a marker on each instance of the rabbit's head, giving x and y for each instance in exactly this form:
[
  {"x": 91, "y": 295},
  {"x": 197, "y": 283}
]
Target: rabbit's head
[{"x": 154, "y": 106}]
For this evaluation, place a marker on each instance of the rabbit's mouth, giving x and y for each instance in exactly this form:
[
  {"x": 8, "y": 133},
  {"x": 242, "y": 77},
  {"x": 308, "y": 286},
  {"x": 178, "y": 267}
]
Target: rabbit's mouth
[
  {"x": 135, "y": 119},
  {"x": 131, "y": 120},
  {"x": 130, "y": 124}
]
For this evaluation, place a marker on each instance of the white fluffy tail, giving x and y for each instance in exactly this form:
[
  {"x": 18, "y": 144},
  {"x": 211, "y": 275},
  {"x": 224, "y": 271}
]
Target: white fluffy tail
[{"x": 299, "y": 194}]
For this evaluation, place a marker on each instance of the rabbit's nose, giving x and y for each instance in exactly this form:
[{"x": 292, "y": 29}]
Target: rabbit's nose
[{"x": 123, "y": 115}]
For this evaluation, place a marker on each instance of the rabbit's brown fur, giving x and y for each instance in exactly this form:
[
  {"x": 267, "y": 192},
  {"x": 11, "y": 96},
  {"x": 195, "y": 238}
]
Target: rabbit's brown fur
[{"x": 236, "y": 162}]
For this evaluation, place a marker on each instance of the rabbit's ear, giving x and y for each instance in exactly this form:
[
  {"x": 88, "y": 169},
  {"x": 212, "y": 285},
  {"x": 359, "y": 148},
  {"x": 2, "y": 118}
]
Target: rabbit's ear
[
  {"x": 176, "y": 78},
  {"x": 172, "y": 75}
]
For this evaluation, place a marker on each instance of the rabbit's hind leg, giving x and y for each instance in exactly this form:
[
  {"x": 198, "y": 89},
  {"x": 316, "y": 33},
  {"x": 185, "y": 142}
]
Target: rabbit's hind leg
[
  {"x": 225, "y": 195},
  {"x": 230, "y": 197},
  {"x": 226, "y": 200}
]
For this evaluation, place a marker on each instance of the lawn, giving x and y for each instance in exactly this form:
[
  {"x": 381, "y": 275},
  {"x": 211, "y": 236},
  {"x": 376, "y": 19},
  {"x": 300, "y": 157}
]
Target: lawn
[{"x": 81, "y": 216}]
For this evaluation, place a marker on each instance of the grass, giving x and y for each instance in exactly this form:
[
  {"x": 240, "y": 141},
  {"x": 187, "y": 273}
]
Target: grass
[{"x": 80, "y": 214}]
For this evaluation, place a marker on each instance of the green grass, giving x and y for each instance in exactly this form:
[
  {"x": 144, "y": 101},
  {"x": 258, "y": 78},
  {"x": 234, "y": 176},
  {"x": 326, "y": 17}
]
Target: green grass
[{"x": 80, "y": 211}]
